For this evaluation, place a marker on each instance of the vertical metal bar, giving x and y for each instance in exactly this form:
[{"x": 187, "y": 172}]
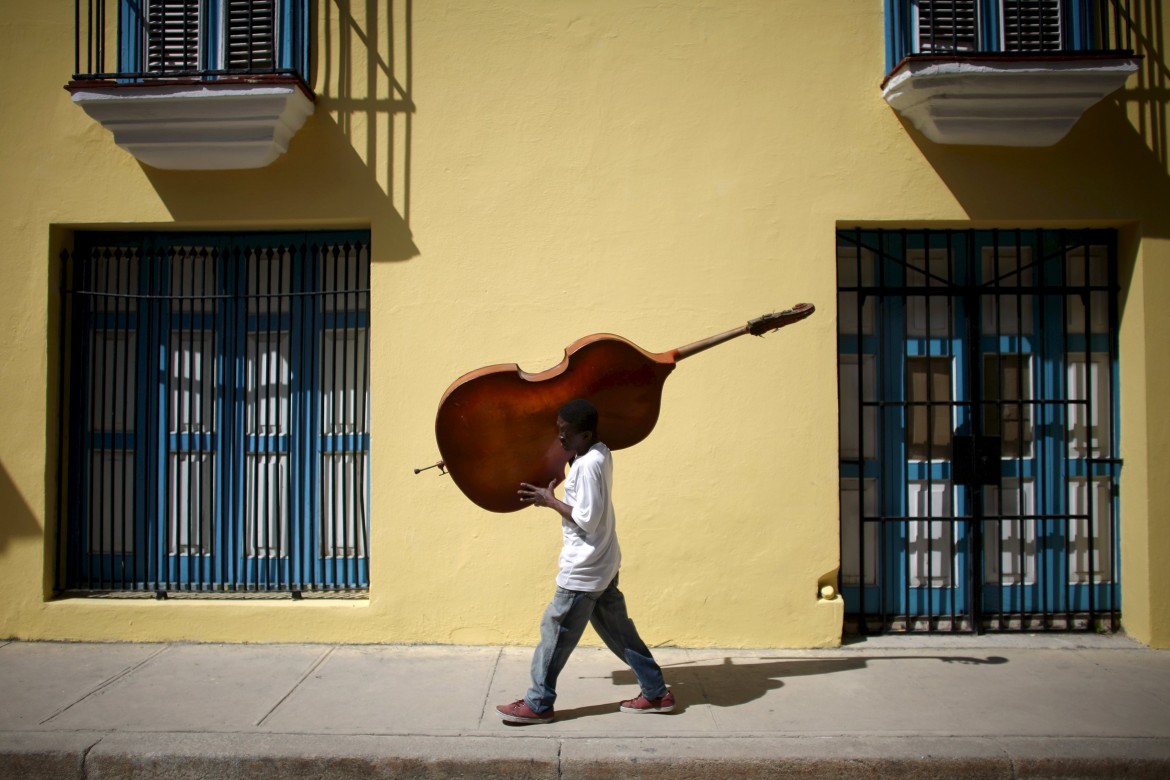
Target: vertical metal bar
[
  {"x": 210, "y": 395},
  {"x": 928, "y": 338},
  {"x": 349, "y": 535},
  {"x": 1069, "y": 519},
  {"x": 1028, "y": 364},
  {"x": 143, "y": 451},
  {"x": 297, "y": 385},
  {"x": 308, "y": 390},
  {"x": 1113, "y": 452},
  {"x": 323, "y": 431},
  {"x": 1091, "y": 476},
  {"x": 104, "y": 439},
  {"x": 288, "y": 324},
  {"x": 1117, "y": 27},
  {"x": 256, "y": 407},
  {"x": 276, "y": 326},
  {"x": 880, "y": 365},
  {"x": 264, "y": 366},
  {"x": 178, "y": 526},
  {"x": 315, "y": 551},
  {"x": 77, "y": 37},
  {"x": 863, "y": 616},
  {"x": 953, "y": 413},
  {"x": 153, "y": 541},
  {"x": 362, "y": 388},
  {"x": 271, "y": 436},
  {"x": 101, "y": 35},
  {"x": 117, "y": 423},
  {"x": 1021, "y": 361},
  {"x": 997, "y": 357},
  {"x": 179, "y": 445},
  {"x": 1084, "y": 239},
  {"x": 907, "y": 593},
  {"x": 130, "y": 454},
  {"x": 236, "y": 406},
  {"x": 974, "y": 361},
  {"x": 193, "y": 446},
  {"x": 1035, "y": 411},
  {"x": 63, "y": 420},
  {"x": 89, "y": 36},
  {"x": 335, "y": 251}
]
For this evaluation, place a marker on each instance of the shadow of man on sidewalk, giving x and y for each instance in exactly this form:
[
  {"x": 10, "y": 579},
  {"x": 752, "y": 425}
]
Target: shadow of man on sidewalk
[{"x": 734, "y": 682}]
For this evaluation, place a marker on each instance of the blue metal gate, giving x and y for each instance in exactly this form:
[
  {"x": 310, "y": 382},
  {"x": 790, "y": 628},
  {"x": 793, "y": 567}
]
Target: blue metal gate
[{"x": 978, "y": 429}]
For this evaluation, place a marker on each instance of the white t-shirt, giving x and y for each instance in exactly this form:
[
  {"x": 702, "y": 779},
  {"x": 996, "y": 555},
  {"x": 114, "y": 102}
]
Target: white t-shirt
[{"x": 591, "y": 556}]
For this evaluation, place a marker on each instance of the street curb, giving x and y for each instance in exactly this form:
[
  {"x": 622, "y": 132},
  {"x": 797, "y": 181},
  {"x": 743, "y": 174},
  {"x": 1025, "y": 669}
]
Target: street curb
[
  {"x": 203, "y": 756},
  {"x": 44, "y": 755},
  {"x": 846, "y": 757}
]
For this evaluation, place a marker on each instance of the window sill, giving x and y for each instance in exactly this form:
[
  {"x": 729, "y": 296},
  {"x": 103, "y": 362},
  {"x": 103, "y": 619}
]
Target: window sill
[
  {"x": 199, "y": 125},
  {"x": 1002, "y": 100}
]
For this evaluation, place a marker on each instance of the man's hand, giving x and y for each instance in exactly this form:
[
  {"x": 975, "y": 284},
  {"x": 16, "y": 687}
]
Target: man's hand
[{"x": 537, "y": 496}]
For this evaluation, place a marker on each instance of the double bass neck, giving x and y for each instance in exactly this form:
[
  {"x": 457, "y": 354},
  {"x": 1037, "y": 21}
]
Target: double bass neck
[{"x": 757, "y": 327}]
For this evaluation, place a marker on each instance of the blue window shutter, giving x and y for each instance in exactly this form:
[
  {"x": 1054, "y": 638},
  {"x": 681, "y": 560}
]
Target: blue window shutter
[{"x": 243, "y": 458}]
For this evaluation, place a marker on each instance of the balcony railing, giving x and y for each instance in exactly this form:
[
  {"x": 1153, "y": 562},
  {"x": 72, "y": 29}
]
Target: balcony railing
[
  {"x": 136, "y": 41},
  {"x": 1017, "y": 28},
  {"x": 195, "y": 84}
]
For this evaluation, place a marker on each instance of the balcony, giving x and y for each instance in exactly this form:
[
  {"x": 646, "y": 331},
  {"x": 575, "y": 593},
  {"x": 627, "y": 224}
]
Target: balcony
[
  {"x": 198, "y": 84},
  {"x": 1003, "y": 72}
]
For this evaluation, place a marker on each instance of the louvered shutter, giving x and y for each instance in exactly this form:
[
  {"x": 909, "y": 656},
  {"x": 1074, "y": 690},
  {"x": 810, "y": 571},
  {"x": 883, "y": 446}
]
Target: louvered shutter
[
  {"x": 173, "y": 28},
  {"x": 1031, "y": 25},
  {"x": 251, "y": 34},
  {"x": 947, "y": 25}
]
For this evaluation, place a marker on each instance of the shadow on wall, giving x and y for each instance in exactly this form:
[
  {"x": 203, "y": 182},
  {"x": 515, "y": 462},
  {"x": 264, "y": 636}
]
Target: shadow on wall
[
  {"x": 350, "y": 163},
  {"x": 1147, "y": 99},
  {"x": 1072, "y": 179},
  {"x": 16, "y": 519}
]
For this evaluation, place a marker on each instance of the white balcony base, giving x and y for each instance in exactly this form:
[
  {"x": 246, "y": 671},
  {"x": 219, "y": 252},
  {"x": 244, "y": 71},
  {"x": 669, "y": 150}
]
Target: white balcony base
[
  {"x": 205, "y": 126},
  {"x": 1002, "y": 102}
]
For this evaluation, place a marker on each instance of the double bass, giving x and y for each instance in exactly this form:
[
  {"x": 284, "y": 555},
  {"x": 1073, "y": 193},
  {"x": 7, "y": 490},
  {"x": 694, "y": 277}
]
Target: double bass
[{"x": 495, "y": 426}]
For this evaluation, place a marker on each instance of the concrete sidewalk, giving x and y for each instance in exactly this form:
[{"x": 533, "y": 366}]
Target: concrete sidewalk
[{"x": 982, "y": 707}]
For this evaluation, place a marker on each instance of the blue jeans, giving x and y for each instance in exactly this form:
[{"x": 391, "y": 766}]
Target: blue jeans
[{"x": 561, "y": 628}]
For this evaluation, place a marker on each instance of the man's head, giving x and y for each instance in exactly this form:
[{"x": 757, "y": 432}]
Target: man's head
[{"x": 577, "y": 425}]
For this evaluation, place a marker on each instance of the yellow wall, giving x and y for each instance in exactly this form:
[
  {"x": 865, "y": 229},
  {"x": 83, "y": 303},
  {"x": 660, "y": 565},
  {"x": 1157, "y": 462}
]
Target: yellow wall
[{"x": 533, "y": 171}]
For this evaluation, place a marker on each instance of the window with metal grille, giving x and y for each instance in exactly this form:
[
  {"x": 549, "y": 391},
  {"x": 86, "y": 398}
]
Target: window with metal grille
[
  {"x": 954, "y": 25},
  {"x": 215, "y": 410},
  {"x": 203, "y": 37},
  {"x": 1004, "y": 26}
]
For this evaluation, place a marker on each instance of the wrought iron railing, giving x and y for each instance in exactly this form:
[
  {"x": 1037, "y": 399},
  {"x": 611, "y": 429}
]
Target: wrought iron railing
[
  {"x": 214, "y": 408},
  {"x": 1005, "y": 27},
  {"x": 135, "y": 41}
]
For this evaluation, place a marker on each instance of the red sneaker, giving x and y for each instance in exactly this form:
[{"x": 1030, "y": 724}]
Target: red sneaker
[
  {"x": 519, "y": 712},
  {"x": 642, "y": 705}
]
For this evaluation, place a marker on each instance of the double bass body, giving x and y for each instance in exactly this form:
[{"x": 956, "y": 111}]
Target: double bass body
[{"x": 495, "y": 426}]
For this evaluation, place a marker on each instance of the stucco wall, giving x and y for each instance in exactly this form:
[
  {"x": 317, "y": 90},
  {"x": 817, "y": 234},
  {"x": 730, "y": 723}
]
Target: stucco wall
[{"x": 533, "y": 171}]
